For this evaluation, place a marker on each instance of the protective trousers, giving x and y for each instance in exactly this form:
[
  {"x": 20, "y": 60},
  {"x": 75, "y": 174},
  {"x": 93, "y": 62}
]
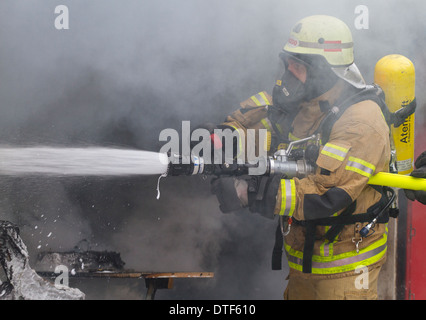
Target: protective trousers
[{"x": 360, "y": 284}]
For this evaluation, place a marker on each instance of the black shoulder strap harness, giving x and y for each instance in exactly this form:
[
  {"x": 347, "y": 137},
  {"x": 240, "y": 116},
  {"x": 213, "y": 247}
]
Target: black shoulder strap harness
[
  {"x": 379, "y": 212},
  {"x": 371, "y": 92}
]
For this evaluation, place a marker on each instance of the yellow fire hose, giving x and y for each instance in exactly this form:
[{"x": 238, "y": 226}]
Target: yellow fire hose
[{"x": 398, "y": 181}]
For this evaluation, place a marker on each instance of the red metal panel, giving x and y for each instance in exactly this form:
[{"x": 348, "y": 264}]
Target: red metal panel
[
  {"x": 416, "y": 237},
  {"x": 416, "y": 255}
]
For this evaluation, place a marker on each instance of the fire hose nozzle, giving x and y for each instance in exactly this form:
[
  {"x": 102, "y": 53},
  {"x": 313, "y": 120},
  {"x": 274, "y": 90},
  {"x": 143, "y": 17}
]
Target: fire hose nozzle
[{"x": 197, "y": 165}]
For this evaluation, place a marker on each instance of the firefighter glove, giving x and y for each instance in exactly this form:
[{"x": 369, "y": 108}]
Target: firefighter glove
[
  {"x": 419, "y": 172},
  {"x": 230, "y": 192},
  {"x": 262, "y": 194}
]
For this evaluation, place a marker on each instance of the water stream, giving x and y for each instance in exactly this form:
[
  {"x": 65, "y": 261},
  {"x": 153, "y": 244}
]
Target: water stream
[{"x": 87, "y": 161}]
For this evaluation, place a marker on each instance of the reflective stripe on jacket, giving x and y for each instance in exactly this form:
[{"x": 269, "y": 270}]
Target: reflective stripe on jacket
[{"x": 327, "y": 263}]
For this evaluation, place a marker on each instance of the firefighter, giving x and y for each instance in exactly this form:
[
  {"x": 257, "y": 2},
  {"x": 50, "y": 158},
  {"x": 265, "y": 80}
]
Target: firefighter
[
  {"x": 419, "y": 172},
  {"x": 327, "y": 256}
]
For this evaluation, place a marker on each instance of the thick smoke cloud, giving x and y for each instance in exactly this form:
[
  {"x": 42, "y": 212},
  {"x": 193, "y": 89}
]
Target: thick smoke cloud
[{"x": 123, "y": 72}]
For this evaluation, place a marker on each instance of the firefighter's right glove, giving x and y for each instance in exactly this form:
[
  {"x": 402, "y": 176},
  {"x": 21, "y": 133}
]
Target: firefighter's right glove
[
  {"x": 419, "y": 172},
  {"x": 262, "y": 194}
]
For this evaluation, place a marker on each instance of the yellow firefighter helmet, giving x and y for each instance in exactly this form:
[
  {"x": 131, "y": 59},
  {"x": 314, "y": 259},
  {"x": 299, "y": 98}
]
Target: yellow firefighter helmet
[
  {"x": 330, "y": 38},
  {"x": 325, "y": 36}
]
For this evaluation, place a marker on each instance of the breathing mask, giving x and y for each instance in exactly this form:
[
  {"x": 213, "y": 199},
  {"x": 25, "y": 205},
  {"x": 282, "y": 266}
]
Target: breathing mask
[{"x": 304, "y": 78}]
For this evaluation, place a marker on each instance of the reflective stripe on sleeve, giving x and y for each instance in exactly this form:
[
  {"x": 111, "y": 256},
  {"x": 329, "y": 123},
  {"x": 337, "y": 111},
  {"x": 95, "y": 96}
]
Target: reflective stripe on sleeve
[
  {"x": 334, "y": 151},
  {"x": 360, "y": 166},
  {"x": 260, "y": 99},
  {"x": 288, "y": 197},
  {"x": 240, "y": 142},
  {"x": 266, "y": 123},
  {"x": 263, "y": 95}
]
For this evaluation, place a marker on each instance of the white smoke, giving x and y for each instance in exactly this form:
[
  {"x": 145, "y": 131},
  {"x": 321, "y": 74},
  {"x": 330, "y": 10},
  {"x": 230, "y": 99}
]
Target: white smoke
[{"x": 123, "y": 72}]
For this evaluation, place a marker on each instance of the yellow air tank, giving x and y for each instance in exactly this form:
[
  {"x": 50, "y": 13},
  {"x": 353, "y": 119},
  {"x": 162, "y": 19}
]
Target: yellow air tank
[{"x": 395, "y": 74}]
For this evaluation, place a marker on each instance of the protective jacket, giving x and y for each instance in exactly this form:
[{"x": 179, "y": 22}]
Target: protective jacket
[{"x": 357, "y": 146}]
